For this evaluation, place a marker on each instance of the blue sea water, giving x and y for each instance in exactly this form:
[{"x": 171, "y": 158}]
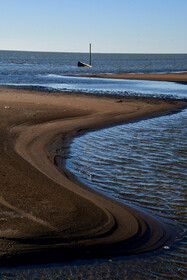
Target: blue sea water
[
  {"x": 47, "y": 71},
  {"x": 66, "y": 63},
  {"x": 141, "y": 163}
]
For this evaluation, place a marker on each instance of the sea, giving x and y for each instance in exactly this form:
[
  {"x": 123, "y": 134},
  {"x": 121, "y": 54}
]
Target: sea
[{"x": 142, "y": 164}]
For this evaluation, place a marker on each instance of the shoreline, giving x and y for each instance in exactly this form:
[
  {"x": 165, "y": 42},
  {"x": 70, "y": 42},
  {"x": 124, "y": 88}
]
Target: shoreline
[
  {"x": 48, "y": 214},
  {"x": 167, "y": 77}
]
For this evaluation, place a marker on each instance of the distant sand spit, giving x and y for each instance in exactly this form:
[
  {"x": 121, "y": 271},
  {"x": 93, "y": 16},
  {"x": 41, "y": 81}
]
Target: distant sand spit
[
  {"x": 169, "y": 77},
  {"x": 46, "y": 214}
]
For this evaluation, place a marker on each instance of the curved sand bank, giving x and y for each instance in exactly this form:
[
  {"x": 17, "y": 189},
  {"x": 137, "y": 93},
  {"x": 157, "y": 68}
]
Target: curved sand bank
[
  {"x": 168, "y": 77},
  {"x": 46, "y": 215}
]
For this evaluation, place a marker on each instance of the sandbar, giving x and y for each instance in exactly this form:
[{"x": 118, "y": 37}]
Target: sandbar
[
  {"x": 46, "y": 214},
  {"x": 167, "y": 77}
]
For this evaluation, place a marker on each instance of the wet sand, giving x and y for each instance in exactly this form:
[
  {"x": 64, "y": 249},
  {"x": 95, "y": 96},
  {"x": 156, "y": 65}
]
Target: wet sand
[
  {"x": 168, "y": 77},
  {"x": 46, "y": 214}
]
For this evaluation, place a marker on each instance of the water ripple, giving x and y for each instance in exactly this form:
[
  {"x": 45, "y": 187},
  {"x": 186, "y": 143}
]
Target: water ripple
[{"x": 143, "y": 164}]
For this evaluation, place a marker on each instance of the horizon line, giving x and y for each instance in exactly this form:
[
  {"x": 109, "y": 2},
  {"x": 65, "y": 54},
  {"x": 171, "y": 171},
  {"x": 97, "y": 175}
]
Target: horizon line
[{"x": 95, "y": 52}]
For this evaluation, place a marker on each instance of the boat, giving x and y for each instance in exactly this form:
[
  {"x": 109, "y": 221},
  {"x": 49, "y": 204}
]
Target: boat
[{"x": 83, "y": 64}]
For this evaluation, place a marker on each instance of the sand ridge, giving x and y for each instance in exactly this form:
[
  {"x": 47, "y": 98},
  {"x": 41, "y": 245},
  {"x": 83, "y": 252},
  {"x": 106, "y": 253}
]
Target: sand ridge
[
  {"x": 44, "y": 208},
  {"x": 168, "y": 77}
]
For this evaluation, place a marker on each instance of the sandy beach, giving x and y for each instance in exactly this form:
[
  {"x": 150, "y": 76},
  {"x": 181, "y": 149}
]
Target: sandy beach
[
  {"x": 168, "y": 77},
  {"x": 46, "y": 214}
]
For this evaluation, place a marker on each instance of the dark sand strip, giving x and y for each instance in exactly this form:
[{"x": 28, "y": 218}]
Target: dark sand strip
[
  {"x": 169, "y": 77},
  {"x": 46, "y": 215}
]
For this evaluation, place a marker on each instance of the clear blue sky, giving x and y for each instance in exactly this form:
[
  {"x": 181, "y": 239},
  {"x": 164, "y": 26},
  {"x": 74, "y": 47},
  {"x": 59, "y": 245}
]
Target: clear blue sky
[{"x": 121, "y": 26}]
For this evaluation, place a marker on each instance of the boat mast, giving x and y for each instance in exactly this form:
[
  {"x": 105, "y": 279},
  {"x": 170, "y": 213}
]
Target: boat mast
[{"x": 90, "y": 55}]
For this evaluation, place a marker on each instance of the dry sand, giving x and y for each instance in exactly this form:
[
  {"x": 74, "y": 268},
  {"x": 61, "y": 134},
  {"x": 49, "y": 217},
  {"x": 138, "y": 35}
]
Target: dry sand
[
  {"x": 46, "y": 215},
  {"x": 170, "y": 77}
]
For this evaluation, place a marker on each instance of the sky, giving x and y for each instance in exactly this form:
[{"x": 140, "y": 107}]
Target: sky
[{"x": 112, "y": 26}]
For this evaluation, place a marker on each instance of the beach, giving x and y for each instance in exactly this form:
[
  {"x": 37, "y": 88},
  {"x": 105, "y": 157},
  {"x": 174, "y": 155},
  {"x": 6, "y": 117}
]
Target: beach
[{"x": 47, "y": 215}]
